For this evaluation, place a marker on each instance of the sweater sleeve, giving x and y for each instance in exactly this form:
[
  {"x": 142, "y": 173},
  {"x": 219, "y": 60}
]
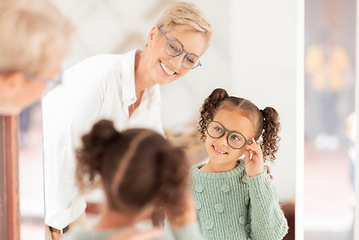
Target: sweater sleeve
[{"x": 267, "y": 220}]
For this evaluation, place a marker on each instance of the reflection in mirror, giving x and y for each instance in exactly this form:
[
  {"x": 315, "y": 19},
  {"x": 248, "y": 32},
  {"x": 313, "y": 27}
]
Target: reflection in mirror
[
  {"x": 329, "y": 123},
  {"x": 242, "y": 57}
]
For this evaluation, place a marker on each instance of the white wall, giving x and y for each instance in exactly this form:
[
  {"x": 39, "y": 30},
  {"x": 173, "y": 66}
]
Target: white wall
[
  {"x": 264, "y": 70},
  {"x": 252, "y": 56}
]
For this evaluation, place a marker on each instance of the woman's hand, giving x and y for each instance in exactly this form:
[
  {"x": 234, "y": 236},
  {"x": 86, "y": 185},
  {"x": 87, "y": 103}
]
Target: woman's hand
[
  {"x": 253, "y": 159},
  {"x": 55, "y": 235},
  {"x": 132, "y": 234}
]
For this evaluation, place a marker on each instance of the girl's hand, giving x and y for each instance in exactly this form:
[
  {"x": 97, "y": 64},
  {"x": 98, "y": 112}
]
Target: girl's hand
[
  {"x": 253, "y": 159},
  {"x": 269, "y": 171}
]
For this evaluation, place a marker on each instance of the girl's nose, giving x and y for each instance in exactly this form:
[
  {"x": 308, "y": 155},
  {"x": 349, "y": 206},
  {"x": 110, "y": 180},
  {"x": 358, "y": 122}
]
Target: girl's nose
[{"x": 223, "y": 140}]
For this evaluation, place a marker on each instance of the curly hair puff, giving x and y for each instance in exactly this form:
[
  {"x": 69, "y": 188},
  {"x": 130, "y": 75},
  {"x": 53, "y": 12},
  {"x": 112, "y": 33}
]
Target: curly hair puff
[{"x": 135, "y": 167}]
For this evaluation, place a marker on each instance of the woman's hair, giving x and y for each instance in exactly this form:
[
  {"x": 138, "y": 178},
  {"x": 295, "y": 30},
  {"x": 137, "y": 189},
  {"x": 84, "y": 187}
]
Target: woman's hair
[
  {"x": 183, "y": 16},
  {"x": 265, "y": 122},
  {"x": 135, "y": 167},
  {"x": 32, "y": 35}
]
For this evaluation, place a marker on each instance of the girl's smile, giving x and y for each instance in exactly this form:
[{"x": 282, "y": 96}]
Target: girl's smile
[{"x": 219, "y": 151}]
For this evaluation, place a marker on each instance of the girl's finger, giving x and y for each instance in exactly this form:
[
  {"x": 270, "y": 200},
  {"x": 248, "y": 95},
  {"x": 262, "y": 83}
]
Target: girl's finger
[
  {"x": 268, "y": 169},
  {"x": 247, "y": 155},
  {"x": 253, "y": 149}
]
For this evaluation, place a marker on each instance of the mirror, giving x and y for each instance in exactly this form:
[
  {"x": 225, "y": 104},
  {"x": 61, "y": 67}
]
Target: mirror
[{"x": 253, "y": 55}]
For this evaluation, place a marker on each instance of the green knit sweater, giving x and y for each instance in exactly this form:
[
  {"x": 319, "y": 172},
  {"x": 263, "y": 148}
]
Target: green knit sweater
[{"x": 231, "y": 205}]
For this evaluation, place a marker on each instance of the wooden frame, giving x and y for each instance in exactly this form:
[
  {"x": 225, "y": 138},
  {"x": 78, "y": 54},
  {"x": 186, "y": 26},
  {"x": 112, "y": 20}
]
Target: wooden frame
[{"x": 9, "y": 179}]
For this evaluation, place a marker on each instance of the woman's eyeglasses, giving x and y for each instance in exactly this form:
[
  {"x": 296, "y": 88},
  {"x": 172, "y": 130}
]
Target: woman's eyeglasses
[
  {"x": 50, "y": 82},
  {"x": 175, "y": 48}
]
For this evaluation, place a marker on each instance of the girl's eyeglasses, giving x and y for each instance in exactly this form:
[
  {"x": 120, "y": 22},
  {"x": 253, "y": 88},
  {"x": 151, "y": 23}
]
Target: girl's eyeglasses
[
  {"x": 235, "y": 140},
  {"x": 174, "y": 48}
]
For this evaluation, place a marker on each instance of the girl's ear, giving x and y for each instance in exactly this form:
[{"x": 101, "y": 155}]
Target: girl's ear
[{"x": 152, "y": 36}]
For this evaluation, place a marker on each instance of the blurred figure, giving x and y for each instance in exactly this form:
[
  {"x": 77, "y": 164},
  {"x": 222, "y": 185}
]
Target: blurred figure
[
  {"x": 139, "y": 171},
  {"x": 329, "y": 91},
  {"x": 34, "y": 38}
]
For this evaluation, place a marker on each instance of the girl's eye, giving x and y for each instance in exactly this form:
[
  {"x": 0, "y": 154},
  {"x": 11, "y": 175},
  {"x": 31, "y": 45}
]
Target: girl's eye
[
  {"x": 218, "y": 129},
  {"x": 235, "y": 137}
]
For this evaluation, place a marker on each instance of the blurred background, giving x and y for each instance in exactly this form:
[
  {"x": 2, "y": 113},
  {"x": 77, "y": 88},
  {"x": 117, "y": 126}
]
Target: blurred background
[
  {"x": 253, "y": 55},
  {"x": 330, "y": 35}
]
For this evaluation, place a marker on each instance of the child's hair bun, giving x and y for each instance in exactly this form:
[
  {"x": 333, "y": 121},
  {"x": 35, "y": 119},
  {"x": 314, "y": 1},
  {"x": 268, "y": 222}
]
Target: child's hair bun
[
  {"x": 218, "y": 95},
  {"x": 94, "y": 147}
]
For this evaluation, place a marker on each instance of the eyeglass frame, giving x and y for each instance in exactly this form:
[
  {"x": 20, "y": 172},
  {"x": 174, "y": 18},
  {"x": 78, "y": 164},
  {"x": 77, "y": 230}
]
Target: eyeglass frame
[
  {"x": 229, "y": 133},
  {"x": 187, "y": 53},
  {"x": 51, "y": 83}
]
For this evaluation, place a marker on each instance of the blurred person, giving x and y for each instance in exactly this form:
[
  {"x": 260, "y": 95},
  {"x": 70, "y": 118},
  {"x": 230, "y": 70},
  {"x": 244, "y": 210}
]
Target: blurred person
[
  {"x": 139, "y": 170},
  {"x": 329, "y": 92},
  {"x": 122, "y": 88},
  {"x": 34, "y": 38},
  {"x": 234, "y": 195}
]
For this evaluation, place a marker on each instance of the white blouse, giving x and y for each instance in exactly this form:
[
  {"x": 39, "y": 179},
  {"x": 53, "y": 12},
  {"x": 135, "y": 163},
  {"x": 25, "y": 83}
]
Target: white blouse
[{"x": 100, "y": 87}]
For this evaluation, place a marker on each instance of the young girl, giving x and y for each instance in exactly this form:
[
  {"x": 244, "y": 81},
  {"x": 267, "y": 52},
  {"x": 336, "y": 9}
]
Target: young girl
[
  {"x": 235, "y": 198},
  {"x": 138, "y": 171}
]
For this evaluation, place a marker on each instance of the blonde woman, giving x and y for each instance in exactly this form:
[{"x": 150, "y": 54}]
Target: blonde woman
[
  {"x": 122, "y": 88},
  {"x": 34, "y": 38}
]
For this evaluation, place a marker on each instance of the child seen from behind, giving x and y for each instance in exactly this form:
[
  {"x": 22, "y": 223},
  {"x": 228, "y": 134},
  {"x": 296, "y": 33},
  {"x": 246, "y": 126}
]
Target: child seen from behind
[{"x": 139, "y": 172}]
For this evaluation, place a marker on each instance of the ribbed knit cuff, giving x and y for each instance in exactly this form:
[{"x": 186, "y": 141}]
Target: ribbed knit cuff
[{"x": 261, "y": 187}]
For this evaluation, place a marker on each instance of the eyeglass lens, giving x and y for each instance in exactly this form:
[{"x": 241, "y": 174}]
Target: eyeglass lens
[{"x": 174, "y": 48}]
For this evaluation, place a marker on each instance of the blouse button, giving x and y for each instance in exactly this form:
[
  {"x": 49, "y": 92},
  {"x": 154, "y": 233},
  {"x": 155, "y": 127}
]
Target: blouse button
[
  {"x": 219, "y": 207},
  {"x": 225, "y": 188},
  {"x": 199, "y": 188},
  {"x": 209, "y": 224},
  {"x": 242, "y": 220}
]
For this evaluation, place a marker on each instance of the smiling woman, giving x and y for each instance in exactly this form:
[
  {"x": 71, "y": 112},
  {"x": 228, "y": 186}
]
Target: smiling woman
[{"x": 122, "y": 88}]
